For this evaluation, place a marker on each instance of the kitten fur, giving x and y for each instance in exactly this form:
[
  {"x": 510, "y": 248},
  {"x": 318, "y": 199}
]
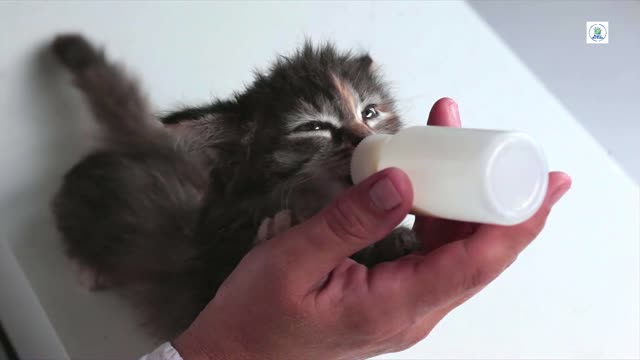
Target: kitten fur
[{"x": 166, "y": 207}]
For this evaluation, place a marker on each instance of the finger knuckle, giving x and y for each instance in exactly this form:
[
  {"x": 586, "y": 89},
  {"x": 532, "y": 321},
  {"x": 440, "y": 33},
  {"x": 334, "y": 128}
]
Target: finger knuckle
[
  {"x": 376, "y": 329},
  {"x": 289, "y": 306},
  {"x": 369, "y": 325},
  {"x": 345, "y": 221},
  {"x": 532, "y": 228},
  {"x": 478, "y": 278},
  {"x": 414, "y": 337}
]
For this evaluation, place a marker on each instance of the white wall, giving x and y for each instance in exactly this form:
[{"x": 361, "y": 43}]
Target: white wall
[
  {"x": 598, "y": 84},
  {"x": 573, "y": 294}
]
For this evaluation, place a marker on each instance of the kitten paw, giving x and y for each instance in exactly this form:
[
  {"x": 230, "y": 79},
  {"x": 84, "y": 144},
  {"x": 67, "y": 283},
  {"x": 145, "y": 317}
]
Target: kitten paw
[
  {"x": 74, "y": 51},
  {"x": 406, "y": 241},
  {"x": 271, "y": 227},
  {"x": 398, "y": 243},
  {"x": 89, "y": 278}
]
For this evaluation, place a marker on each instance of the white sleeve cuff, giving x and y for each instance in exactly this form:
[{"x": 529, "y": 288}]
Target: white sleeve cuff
[{"x": 163, "y": 352}]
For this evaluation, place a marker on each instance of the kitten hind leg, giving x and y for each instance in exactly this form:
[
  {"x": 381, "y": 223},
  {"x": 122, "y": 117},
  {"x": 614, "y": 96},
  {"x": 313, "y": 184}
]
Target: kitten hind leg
[
  {"x": 114, "y": 98},
  {"x": 88, "y": 277}
]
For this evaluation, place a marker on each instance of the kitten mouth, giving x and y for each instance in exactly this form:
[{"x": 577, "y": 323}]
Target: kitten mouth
[{"x": 347, "y": 179}]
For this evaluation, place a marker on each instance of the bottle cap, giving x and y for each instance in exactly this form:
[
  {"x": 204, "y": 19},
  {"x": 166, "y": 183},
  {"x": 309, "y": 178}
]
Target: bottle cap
[{"x": 516, "y": 178}]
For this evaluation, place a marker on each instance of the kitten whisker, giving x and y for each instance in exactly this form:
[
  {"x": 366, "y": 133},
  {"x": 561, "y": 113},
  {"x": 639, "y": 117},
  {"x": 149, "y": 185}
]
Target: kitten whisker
[
  {"x": 285, "y": 202},
  {"x": 176, "y": 210}
]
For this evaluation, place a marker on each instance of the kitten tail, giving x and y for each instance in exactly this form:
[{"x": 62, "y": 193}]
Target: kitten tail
[{"x": 114, "y": 98}]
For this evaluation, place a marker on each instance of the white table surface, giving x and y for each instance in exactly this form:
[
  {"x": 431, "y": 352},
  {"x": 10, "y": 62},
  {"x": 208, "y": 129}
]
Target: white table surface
[
  {"x": 573, "y": 294},
  {"x": 599, "y": 84}
]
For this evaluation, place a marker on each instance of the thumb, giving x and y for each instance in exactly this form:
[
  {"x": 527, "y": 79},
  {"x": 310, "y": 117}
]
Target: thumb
[{"x": 359, "y": 217}]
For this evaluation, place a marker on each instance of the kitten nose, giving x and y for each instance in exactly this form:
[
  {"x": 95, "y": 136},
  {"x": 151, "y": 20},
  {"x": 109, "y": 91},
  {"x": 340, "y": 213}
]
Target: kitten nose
[
  {"x": 355, "y": 138},
  {"x": 355, "y": 134}
]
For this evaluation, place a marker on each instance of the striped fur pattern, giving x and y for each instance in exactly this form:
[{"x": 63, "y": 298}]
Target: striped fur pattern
[{"x": 166, "y": 207}]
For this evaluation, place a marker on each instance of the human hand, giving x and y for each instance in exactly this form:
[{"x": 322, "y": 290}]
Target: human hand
[{"x": 299, "y": 296}]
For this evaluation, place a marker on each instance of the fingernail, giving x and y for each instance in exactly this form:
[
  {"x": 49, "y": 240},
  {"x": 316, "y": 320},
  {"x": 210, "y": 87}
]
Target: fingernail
[
  {"x": 557, "y": 195},
  {"x": 384, "y": 195},
  {"x": 455, "y": 112}
]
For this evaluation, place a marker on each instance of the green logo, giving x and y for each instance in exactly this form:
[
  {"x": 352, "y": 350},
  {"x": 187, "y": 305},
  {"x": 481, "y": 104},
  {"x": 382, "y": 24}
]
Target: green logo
[{"x": 597, "y": 32}]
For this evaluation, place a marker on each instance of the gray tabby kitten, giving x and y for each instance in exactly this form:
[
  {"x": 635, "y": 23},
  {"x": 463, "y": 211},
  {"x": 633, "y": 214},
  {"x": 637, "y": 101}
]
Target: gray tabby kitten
[{"x": 166, "y": 208}]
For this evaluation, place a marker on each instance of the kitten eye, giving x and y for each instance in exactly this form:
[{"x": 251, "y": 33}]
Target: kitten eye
[
  {"x": 370, "y": 112},
  {"x": 313, "y": 126}
]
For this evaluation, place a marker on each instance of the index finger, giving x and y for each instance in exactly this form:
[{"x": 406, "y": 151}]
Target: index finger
[
  {"x": 467, "y": 265},
  {"x": 434, "y": 232},
  {"x": 463, "y": 267},
  {"x": 444, "y": 113}
]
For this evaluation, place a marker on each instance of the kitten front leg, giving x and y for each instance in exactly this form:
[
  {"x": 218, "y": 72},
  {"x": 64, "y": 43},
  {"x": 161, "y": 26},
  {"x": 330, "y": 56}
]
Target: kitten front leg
[
  {"x": 88, "y": 277},
  {"x": 399, "y": 242},
  {"x": 271, "y": 227}
]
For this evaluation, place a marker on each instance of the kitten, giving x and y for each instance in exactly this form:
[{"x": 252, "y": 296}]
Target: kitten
[{"x": 168, "y": 206}]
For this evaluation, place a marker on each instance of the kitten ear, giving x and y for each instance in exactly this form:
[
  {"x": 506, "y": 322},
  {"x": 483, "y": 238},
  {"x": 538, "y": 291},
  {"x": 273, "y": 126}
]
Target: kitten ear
[
  {"x": 366, "y": 62},
  {"x": 183, "y": 129}
]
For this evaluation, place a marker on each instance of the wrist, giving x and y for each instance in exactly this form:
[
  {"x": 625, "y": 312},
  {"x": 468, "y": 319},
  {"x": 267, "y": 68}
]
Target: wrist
[
  {"x": 194, "y": 344},
  {"x": 190, "y": 348}
]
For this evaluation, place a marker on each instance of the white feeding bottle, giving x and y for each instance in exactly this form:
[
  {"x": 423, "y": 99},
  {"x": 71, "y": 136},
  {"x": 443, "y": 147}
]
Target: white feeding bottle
[{"x": 484, "y": 176}]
